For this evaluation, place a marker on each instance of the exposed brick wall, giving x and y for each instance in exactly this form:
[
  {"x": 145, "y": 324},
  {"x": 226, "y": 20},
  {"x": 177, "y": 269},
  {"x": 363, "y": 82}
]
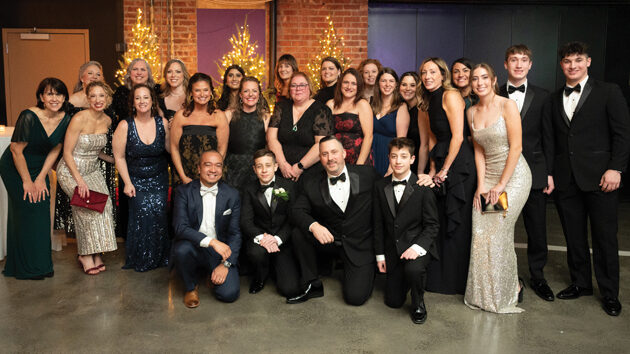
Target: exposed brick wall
[
  {"x": 301, "y": 23},
  {"x": 184, "y": 28}
]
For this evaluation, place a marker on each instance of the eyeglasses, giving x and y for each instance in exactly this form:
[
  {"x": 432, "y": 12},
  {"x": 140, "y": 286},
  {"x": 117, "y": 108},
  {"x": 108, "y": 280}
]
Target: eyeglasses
[{"x": 300, "y": 86}]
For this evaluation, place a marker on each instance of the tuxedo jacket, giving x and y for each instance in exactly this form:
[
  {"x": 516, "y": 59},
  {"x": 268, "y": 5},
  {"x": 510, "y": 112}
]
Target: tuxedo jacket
[
  {"x": 531, "y": 120},
  {"x": 414, "y": 221},
  {"x": 188, "y": 214},
  {"x": 353, "y": 228},
  {"x": 595, "y": 140},
  {"x": 258, "y": 217}
]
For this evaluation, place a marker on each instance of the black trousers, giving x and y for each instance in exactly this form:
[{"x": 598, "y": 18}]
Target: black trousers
[
  {"x": 191, "y": 260},
  {"x": 535, "y": 220},
  {"x": 283, "y": 263},
  {"x": 404, "y": 275},
  {"x": 358, "y": 280},
  {"x": 574, "y": 206}
]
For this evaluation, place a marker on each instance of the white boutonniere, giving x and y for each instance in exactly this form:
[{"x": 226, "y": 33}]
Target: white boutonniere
[{"x": 280, "y": 193}]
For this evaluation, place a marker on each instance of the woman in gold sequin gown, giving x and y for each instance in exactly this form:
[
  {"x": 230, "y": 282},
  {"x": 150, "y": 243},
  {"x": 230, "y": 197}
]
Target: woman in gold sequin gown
[
  {"x": 496, "y": 129},
  {"x": 83, "y": 146}
]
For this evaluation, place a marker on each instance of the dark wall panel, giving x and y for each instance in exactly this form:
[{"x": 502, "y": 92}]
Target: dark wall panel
[
  {"x": 392, "y": 38},
  {"x": 488, "y": 34},
  {"x": 441, "y": 33},
  {"x": 529, "y": 26}
]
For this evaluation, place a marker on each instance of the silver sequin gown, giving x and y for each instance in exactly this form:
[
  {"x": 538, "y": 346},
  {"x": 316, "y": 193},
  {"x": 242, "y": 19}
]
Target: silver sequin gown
[
  {"x": 95, "y": 231},
  {"x": 492, "y": 274}
]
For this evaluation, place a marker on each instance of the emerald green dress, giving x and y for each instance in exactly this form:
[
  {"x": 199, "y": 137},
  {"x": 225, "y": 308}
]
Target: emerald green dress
[{"x": 28, "y": 224}]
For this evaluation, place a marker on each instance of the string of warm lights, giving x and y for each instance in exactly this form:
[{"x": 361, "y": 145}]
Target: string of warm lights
[
  {"x": 330, "y": 46},
  {"x": 144, "y": 44}
]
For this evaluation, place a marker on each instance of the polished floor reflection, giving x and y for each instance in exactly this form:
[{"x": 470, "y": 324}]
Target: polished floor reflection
[{"x": 124, "y": 311}]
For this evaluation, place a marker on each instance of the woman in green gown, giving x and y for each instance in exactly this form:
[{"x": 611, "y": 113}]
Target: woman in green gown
[{"x": 24, "y": 166}]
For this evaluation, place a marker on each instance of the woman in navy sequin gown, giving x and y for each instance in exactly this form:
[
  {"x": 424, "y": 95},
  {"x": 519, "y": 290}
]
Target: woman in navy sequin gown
[{"x": 140, "y": 152}]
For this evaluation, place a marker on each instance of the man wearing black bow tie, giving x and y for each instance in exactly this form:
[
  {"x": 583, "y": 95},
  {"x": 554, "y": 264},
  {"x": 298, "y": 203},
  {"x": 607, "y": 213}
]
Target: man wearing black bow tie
[
  {"x": 266, "y": 228},
  {"x": 587, "y": 145},
  {"x": 406, "y": 225},
  {"x": 206, "y": 215},
  {"x": 531, "y": 101},
  {"x": 334, "y": 215}
]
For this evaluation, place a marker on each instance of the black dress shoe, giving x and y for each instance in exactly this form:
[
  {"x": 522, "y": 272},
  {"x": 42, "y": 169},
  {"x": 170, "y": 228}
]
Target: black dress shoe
[
  {"x": 419, "y": 314},
  {"x": 541, "y": 289},
  {"x": 611, "y": 306},
  {"x": 256, "y": 286},
  {"x": 573, "y": 292},
  {"x": 312, "y": 291}
]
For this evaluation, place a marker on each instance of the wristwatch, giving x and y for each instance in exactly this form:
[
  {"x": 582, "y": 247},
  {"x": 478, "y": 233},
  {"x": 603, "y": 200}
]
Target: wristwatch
[
  {"x": 227, "y": 264},
  {"x": 300, "y": 166}
]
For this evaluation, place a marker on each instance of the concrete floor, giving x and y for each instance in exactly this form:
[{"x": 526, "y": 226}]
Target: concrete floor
[{"x": 124, "y": 311}]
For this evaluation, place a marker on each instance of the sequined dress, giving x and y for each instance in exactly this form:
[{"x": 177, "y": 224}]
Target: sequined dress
[
  {"x": 94, "y": 230},
  {"x": 147, "y": 245},
  {"x": 492, "y": 275}
]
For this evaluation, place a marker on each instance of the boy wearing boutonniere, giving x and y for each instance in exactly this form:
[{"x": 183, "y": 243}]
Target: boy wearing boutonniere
[{"x": 266, "y": 228}]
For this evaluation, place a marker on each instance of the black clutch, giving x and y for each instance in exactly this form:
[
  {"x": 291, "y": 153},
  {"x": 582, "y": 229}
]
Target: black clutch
[{"x": 500, "y": 207}]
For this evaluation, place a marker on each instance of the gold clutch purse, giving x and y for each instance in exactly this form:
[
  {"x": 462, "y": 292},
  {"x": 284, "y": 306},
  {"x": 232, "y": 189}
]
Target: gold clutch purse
[{"x": 500, "y": 207}]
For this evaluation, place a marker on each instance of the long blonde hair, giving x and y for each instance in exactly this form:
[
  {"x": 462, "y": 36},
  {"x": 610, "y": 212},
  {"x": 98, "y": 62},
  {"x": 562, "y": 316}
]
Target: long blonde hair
[{"x": 423, "y": 93}]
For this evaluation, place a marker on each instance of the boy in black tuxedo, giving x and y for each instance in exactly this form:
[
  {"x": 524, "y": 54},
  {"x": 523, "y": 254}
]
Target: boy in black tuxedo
[
  {"x": 265, "y": 226},
  {"x": 405, "y": 227}
]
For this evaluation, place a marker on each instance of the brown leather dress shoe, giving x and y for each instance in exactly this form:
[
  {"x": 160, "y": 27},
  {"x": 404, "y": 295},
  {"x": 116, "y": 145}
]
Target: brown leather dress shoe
[{"x": 191, "y": 298}]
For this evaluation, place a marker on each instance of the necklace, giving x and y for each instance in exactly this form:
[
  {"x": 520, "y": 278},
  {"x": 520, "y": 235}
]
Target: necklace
[{"x": 298, "y": 114}]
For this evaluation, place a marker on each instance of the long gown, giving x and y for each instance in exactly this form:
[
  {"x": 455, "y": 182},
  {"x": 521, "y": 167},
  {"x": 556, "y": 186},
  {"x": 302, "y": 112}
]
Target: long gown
[
  {"x": 247, "y": 135},
  {"x": 148, "y": 243},
  {"x": 94, "y": 230},
  {"x": 384, "y": 132},
  {"x": 348, "y": 130},
  {"x": 448, "y": 274},
  {"x": 493, "y": 275},
  {"x": 195, "y": 140},
  {"x": 28, "y": 224}
]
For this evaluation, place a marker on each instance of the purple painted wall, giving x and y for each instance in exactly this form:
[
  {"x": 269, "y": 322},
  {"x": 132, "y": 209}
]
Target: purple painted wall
[{"x": 215, "y": 28}]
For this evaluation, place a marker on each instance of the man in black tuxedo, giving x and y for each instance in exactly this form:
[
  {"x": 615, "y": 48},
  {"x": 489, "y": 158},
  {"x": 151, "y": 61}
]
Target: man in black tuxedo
[
  {"x": 531, "y": 100},
  {"x": 406, "y": 225},
  {"x": 265, "y": 225},
  {"x": 334, "y": 215},
  {"x": 587, "y": 144},
  {"x": 206, "y": 214}
]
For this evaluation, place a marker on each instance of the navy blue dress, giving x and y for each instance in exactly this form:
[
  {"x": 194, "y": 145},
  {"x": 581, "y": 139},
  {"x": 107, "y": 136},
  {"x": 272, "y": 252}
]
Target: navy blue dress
[
  {"x": 148, "y": 242},
  {"x": 384, "y": 132}
]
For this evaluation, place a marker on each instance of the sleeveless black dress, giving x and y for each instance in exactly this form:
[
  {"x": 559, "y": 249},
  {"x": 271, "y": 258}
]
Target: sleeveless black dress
[
  {"x": 448, "y": 274},
  {"x": 247, "y": 135},
  {"x": 413, "y": 133}
]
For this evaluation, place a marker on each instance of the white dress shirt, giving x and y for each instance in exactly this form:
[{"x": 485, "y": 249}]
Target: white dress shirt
[
  {"x": 517, "y": 96},
  {"x": 340, "y": 192},
  {"x": 570, "y": 102},
  {"x": 207, "y": 226},
  {"x": 398, "y": 192},
  {"x": 268, "y": 194}
]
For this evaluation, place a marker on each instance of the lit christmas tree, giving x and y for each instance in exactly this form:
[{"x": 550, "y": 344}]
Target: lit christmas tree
[
  {"x": 144, "y": 44},
  {"x": 331, "y": 46},
  {"x": 243, "y": 54}
]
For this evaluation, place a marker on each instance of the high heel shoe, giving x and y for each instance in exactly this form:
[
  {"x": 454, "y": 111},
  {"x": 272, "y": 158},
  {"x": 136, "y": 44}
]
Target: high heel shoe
[
  {"x": 520, "y": 292},
  {"x": 89, "y": 271}
]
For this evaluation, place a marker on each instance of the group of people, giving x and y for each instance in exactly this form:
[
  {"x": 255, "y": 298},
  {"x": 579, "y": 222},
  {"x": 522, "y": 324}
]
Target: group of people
[{"x": 375, "y": 171}]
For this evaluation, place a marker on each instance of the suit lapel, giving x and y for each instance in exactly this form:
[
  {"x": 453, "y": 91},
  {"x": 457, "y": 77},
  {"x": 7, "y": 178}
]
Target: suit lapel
[
  {"x": 197, "y": 201},
  {"x": 389, "y": 195},
  {"x": 218, "y": 207},
  {"x": 261, "y": 199},
  {"x": 408, "y": 190},
  {"x": 325, "y": 192},
  {"x": 529, "y": 97},
  {"x": 354, "y": 187},
  {"x": 560, "y": 106},
  {"x": 588, "y": 87},
  {"x": 274, "y": 200}
]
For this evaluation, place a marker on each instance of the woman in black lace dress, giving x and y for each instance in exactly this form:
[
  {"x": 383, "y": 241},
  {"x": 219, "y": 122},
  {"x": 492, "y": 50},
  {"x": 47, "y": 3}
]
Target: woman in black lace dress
[
  {"x": 248, "y": 125},
  {"x": 296, "y": 127},
  {"x": 197, "y": 128}
]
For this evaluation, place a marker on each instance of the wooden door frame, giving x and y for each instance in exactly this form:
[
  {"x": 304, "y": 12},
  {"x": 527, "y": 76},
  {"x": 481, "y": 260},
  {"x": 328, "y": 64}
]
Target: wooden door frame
[{"x": 7, "y": 31}]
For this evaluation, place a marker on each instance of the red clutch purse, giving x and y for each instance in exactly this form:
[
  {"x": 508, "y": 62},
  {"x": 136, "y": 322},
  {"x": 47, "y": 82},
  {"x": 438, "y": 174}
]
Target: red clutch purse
[{"x": 96, "y": 201}]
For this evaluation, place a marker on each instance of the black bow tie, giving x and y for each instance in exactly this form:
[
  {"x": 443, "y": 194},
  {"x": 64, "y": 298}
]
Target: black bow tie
[
  {"x": 567, "y": 90},
  {"x": 263, "y": 187},
  {"x": 341, "y": 177},
  {"x": 398, "y": 183},
  {"x": 511, "y": 89}
]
